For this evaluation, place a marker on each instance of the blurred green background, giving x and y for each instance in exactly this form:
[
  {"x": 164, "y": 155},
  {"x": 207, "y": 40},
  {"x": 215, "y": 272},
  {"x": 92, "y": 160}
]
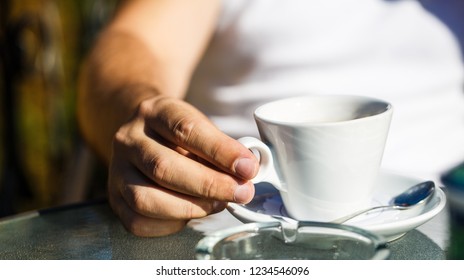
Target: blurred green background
[{"x": 42, "y": 42}]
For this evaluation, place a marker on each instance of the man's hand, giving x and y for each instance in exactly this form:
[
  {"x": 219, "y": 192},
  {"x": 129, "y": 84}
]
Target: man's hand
[{"x": 170, "y": 164}]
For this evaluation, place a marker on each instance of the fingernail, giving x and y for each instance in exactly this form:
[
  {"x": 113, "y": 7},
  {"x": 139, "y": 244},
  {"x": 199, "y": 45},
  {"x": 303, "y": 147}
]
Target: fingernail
[
  {"x": 243, "y": 194},
  {"x": 245, "y": 168}
]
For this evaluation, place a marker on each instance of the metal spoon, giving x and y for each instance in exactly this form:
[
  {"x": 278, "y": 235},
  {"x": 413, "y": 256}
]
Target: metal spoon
[{"x": 415, "y": 195}]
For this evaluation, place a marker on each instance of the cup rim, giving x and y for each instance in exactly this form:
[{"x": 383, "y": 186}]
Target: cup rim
[
  {"x": 204, "y": 248},
  {"x": 260, "y": 117}
]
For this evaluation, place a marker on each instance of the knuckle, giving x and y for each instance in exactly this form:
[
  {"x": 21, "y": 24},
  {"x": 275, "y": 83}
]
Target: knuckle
[
  {"x": 184, "y": 129},
  {"x": 160, "y": 169},
  {"x": 145, "y": 107},
  {"x": 188, "y": 211},
  {"x": 124, "y": 137},
  {"x": 136, "y": 199},
  {"x": 216, "y": 150},
  {"x": 120, "y": 139},
  {"x": 210, "y": 188},
  {"x": 221, "y": 152}
]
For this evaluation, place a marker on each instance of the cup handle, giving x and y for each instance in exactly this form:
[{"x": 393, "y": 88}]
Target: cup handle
[{"x": 267, "y": 172}]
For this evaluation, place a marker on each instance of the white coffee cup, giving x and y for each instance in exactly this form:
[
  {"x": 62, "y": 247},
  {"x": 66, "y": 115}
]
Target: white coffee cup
[{"x": 322, "y": 152}]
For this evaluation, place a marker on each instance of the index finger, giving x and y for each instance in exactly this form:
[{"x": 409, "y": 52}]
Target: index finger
[{"x": 185, "y": 126}]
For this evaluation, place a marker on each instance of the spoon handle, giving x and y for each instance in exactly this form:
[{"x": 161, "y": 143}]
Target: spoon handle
[{"x": 355, "y": 214}]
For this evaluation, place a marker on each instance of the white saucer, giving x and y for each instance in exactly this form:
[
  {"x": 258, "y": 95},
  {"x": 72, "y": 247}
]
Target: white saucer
[{"x": 390, "y": 224}]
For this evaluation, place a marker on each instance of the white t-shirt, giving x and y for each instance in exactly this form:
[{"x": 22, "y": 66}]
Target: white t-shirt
[{"x": 269, "y": 49}]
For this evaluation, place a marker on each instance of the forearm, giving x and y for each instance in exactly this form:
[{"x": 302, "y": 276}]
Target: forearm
[
  {"x": 143, "y": 52},
  {"x": 112, "y": 84}
]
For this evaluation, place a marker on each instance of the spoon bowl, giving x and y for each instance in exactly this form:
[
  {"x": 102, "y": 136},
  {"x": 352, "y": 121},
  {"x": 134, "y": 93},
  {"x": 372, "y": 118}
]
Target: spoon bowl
[{"x": 414, "y": 196}]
